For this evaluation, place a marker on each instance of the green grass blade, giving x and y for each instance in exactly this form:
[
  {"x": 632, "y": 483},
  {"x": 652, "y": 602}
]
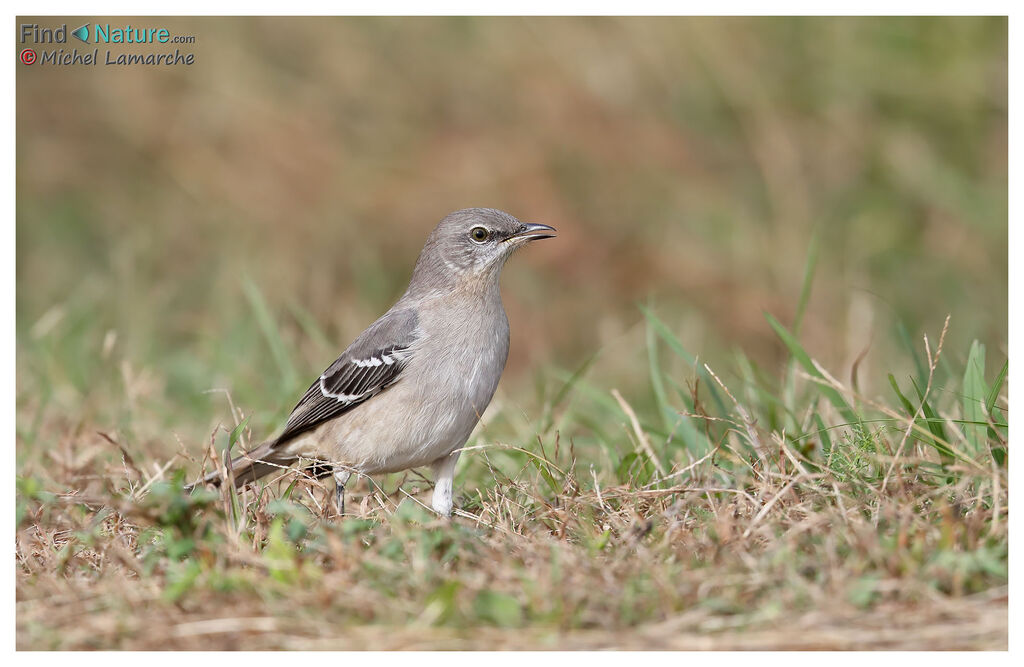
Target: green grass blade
[
  {"x": 682, "y": 393},
  {"x": 993, "y": 394},
  {"x": 654, "y": 370},
  {"x": 826, "y": 442},
  {"x": 573, "y": 379},
  {"x": 934, "y": 424},
  {"x": 272, "y": 334},
  {"x": 676, "y": 346},
  {"x": 309, "y": 325},
  {"x": 934, "y": 427},
  {"x": 999, "y": 453},
  {"x": 805, "y": 289},
  {"x": 236, "y": 433},
  {"x": 975, "y": 395},
  {"x": 919, "y": 366},
  {"x": 548, "y": 418},
  {"x": 804, "y": 359},
  {"x": 907, "y": 405}
]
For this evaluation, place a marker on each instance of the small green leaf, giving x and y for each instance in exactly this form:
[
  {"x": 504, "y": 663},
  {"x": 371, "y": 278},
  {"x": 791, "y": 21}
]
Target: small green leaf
[
  {"x": 296, "y": 530},
  {"x": 441, "y": 602},
  {"x": 279, "y": 554},
  {"x": 280, "y": 506},
  {"x": 498, "y": 608},
  {"x": 180, "y": 579},
  {"x": 545, "y": 473},
  {"x": 410, "y": 511},
  {"x": 178, "y": 549},
  {"x": 236, "y": 433},
  {"x": 864, "y": 591},
  {"x": 634, "y": 468},
  {"x": 357, "y": 527}
]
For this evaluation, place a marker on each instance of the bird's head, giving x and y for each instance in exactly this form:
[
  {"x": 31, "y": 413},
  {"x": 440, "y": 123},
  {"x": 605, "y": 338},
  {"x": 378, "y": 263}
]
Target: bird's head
[{"x": 473, "y": 244}]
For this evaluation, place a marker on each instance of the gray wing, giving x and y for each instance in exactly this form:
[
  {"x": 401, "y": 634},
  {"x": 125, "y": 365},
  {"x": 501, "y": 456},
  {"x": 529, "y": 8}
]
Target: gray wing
[{"x": 371, "y": 364}]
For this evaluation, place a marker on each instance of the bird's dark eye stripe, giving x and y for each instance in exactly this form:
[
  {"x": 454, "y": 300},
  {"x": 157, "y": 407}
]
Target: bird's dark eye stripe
[{"x": 479, "y": 234}]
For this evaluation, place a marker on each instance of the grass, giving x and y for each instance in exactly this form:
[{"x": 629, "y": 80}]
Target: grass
[{"x": 768, "y": 512}]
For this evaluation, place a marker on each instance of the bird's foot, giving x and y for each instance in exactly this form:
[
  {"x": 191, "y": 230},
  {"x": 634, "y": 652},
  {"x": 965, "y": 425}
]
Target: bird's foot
[
  {"x": 340, "y": 478},
  {"x": 339, "y": 499}
]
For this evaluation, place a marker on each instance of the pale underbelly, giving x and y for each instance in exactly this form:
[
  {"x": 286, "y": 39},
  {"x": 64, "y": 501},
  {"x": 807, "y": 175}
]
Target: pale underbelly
[{"x": 405, "y": 431}]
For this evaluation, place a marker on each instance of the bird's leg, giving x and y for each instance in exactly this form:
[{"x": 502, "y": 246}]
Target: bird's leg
[
  {"x": 444, "y": 472},
  {"x": 340, "y": 479}
]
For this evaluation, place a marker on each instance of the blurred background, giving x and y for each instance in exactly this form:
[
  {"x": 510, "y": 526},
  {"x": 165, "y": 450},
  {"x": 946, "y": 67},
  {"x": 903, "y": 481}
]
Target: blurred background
[{"x": 233, "y": 224}]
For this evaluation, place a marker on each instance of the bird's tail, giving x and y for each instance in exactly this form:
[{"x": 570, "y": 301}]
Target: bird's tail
[{"x": 248, "y": 467}]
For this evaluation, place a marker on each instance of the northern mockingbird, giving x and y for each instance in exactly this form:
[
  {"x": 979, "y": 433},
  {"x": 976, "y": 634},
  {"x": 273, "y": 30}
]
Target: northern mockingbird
[{"x": 409, "y": 390}]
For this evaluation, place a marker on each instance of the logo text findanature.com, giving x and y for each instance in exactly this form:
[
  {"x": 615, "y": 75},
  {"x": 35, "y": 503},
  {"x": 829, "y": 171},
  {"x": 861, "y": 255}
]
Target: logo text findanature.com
[{"x": 102, "y": 34}]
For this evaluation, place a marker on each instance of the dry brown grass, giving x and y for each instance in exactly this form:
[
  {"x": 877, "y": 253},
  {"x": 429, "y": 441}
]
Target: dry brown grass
[{"x": 740, "y": 551}]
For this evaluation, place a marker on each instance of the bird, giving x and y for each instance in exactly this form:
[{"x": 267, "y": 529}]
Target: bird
[{"x": 409, "y": 390}]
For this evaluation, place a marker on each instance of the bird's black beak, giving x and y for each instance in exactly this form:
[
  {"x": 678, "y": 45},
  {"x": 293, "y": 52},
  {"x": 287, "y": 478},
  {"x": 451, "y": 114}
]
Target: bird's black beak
[{"x": 532, "y": 231}]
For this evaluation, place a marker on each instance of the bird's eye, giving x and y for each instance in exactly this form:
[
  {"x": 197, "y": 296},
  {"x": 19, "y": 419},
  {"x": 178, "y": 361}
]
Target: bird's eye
[{"x": 479, "y": 234}]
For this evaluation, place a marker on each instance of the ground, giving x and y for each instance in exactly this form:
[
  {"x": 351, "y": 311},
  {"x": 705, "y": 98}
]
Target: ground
[{"x": 879, "y": 531}]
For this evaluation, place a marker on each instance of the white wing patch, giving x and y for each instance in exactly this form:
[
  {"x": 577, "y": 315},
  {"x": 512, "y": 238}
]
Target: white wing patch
[
  {"x": 341, "y": 398},
  {"x": 385, "y": 359},
  {"x": 373, "y": 361}
]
